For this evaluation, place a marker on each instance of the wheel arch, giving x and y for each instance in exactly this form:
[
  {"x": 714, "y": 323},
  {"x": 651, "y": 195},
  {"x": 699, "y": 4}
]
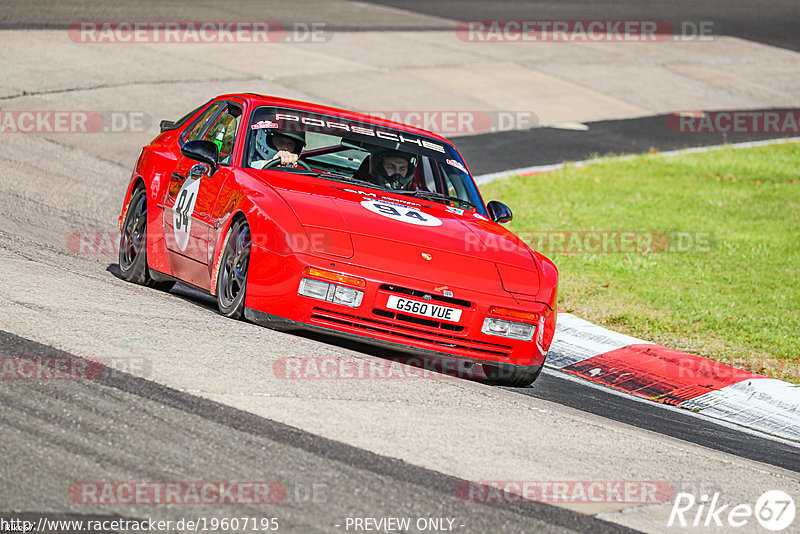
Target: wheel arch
[
  {"x": 135, "y": 181},
  {"x": 222, "y": 234},
  {"x": 272, "y": 223}
]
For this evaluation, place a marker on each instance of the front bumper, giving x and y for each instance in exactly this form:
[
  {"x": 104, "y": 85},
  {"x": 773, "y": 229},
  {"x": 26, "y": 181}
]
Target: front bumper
[
  {"x": 272, "y": 300},
  {"x": 286, "y": 325}
]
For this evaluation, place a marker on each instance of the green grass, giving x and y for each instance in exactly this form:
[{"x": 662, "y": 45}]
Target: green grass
[{"x": 732, "y": 297}]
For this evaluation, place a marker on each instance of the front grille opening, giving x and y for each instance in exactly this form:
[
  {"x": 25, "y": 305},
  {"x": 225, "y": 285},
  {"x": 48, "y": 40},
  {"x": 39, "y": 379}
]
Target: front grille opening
[
  {"x": 415, "y": 293},
  {"x": 418, "y": 320},
  {"x": 407, "y": 332}
]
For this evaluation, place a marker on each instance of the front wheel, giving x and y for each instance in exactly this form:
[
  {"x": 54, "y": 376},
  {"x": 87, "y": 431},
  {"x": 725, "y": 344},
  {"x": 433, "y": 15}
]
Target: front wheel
[
  {"x": 518, "y": 377},
  {"x": 133, "y": 244},
  {"x": 232, "y": 278}
]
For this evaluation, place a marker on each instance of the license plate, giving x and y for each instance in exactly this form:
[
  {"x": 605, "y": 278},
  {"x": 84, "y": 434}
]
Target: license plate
[{"x": 425, "y": 309}]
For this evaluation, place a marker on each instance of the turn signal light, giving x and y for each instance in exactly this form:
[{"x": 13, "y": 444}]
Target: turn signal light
[
  {"x": 335, "y": 277},
  {"x": 516, "y": 314}
]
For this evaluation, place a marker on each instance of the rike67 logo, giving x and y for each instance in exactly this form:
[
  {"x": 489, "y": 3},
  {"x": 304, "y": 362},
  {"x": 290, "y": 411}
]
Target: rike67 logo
[{"x": 774, "y": 510}]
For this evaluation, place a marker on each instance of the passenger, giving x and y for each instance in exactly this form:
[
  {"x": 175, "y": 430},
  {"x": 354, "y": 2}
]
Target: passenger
[{"x": 392, "y": 168}]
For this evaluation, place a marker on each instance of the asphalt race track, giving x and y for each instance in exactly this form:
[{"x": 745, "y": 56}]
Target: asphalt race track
[
  {"x": 149, "y": 428},
  {"x": 188, "y": 396},
  {"x": 545, "y": 146},
  {"x": 773, "y": 22}
]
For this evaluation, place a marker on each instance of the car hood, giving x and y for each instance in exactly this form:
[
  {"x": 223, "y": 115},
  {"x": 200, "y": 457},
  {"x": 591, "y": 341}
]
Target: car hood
[{"x": 409, "y": 236}]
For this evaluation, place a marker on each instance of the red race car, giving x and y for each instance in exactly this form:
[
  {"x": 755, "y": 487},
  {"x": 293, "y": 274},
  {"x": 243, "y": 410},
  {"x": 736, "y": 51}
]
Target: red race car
[{"x": 303, "y": 217}]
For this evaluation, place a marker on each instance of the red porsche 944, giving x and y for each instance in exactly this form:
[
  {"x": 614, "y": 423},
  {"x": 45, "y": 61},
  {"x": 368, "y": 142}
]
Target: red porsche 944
[{"x": 298, "y": 216}]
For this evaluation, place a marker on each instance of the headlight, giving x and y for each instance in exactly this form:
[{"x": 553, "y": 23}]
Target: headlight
[
  {"x": 500, "y": 327},
  {"x": 316, "y": 289},
  {"x": 347, "y": 296}
]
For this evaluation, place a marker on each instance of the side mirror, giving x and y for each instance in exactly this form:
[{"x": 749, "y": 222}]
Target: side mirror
[
  {"x": 166, "y": 125},
  {"x": 203, "y": 151},
  {"x": 499, "y": 212}
]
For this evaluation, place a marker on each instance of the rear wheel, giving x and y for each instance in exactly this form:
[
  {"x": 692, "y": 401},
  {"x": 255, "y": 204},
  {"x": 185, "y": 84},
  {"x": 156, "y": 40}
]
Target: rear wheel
[
  {"x": 232, "y": 278},
  {"x": 511, "y": 376},
  {"x": 133, "y": 244}
]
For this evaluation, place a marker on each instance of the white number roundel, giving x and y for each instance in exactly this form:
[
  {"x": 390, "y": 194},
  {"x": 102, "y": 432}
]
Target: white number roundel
[
  {"x": 401, "y": 213},
  {"x": 182, "y": 212}
]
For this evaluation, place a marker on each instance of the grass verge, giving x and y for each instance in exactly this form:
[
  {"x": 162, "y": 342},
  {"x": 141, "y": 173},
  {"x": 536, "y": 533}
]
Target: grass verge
[{"x": 697, "y": 252}]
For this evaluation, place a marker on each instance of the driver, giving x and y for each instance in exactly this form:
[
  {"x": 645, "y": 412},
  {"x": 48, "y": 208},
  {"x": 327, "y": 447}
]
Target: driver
[
  {"x": 392, "y": 168},
  {"x": 283, "y": 145}
]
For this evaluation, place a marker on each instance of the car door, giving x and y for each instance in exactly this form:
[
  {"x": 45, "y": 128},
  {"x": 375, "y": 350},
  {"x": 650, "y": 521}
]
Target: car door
[{"x": 193, "y": 190}]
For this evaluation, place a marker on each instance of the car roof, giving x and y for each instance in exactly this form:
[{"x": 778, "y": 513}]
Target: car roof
[{"x": 255, "y": 99}]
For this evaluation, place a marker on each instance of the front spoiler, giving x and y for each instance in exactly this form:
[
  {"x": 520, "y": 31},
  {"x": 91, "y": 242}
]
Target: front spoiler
[{"x": 287, "y": 325}]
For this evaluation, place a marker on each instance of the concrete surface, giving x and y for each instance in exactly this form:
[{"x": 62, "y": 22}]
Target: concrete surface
[{"x": 52, "y": 185}]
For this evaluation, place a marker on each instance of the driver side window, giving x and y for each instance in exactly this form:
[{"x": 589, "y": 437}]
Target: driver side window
[
  {"x": 201, "y": 123},
  {"x": 223, "y": 133}
]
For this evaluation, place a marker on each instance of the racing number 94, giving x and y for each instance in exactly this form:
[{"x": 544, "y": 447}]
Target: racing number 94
[
  {"x": 391, "y": 210},
  {"x": 182, "y": 204}
]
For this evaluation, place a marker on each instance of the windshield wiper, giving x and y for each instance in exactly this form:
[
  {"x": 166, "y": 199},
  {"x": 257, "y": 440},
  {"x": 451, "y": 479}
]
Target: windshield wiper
[{"x": 436, "y": 197}]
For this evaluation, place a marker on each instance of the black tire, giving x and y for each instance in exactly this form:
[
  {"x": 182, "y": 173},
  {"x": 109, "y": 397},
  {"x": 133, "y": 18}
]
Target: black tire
[
  {"x": 232, "y": 278},
  {"x": 133, "y": 244},
  {"x": 510, "y": 376}
]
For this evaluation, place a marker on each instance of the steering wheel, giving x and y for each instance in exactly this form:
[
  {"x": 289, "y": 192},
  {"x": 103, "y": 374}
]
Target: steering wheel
[{"x": 276, "y": 162}]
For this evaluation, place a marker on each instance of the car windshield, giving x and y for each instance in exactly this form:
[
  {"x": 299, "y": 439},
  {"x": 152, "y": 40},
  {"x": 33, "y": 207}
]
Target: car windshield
[{"x": 343, "y": 149}]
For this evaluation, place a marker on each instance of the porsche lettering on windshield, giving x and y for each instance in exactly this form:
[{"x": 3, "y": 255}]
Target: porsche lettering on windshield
[{"x": 381, "y": 134}]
